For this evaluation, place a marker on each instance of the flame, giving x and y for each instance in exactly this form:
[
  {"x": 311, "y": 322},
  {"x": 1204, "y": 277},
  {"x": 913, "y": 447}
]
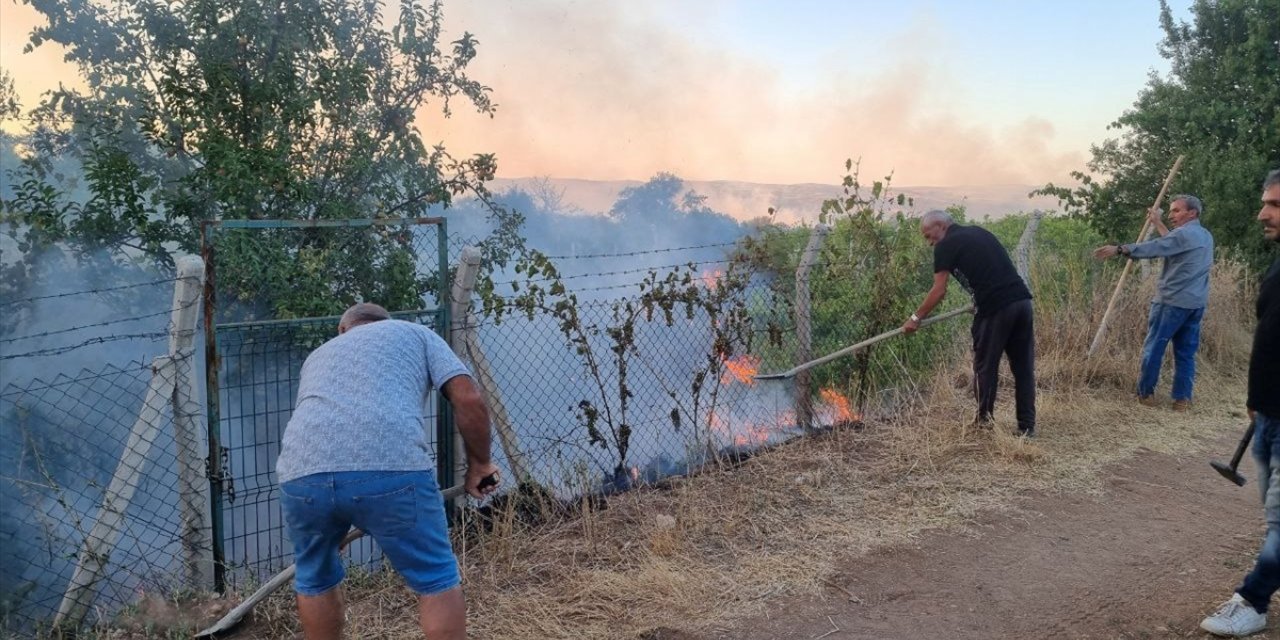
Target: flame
[
  {"x": 840, "y": 407},
  {"x": 749, "y": 434},
  {"x": 753, "y": 435},
  {"x": 711, "y": 278},
  {"x": 741, "y": 368}
]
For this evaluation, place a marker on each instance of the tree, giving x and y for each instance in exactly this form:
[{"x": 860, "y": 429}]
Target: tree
[
  {"x": 659, "y": 201},
  {"x": 1219, "y": 105},
  {"x": 222, "y": 109}
]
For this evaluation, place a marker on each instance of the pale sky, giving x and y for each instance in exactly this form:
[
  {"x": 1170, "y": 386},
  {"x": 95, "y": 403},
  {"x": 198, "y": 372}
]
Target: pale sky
[{"x": 941, "y": 93}]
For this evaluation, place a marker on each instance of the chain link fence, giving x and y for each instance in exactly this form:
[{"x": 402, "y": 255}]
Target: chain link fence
[
  {"x": 90, "y": 489},
  {"x": 648, "y": 376}
]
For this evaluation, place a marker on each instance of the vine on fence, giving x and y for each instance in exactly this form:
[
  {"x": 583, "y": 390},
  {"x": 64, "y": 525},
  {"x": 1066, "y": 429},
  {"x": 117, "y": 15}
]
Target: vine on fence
[
  {"x": 883, "y": 247},
  {"x": 719, "y": 297}
]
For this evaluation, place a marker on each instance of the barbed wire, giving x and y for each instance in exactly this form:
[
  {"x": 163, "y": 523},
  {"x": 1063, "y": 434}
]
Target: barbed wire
[
  {"x": 53, "y": 351},
  {"x": 617, "y": 273},
  {"x": 88, "y": 291},
  {"x": 641, "y": 253},
  {"x": 105, "y": 323}
]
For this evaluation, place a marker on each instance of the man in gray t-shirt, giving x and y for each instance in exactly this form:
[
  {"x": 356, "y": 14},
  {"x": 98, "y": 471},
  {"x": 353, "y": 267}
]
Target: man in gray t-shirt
[{"x": 355, "y": 454}]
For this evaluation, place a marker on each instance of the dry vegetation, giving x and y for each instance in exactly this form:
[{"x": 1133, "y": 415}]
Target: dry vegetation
[{"x": 698, "y": 553}]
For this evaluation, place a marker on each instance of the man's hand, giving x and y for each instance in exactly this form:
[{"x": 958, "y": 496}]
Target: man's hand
[
  {"x": 1106, "y": 251},
  {"x": 910, "y": 326},
  {"x": 1155, "y": 216},
  {"x": 477, "y": 472}
]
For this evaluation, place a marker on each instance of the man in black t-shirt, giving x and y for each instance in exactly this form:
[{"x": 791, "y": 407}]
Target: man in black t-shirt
[{"x": 1002, "y": 323}]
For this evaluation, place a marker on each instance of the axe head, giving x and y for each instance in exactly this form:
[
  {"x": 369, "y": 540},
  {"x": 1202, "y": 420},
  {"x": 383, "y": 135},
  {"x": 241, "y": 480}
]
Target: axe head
[{"x": 1228, "y": 473}]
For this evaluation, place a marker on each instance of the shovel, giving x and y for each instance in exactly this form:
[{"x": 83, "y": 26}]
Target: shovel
[
  {"x": 229, "y": 621},
  {"x": 861, "y": 345}
]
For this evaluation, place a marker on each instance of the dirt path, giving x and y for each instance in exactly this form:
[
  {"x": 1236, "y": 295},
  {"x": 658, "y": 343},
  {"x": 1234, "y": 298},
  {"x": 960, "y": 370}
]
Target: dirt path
[{"x": 1165, "y": 543}]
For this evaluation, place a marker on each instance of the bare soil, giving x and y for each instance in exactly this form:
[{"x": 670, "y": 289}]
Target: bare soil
[{"x": 1165, "y": 543}]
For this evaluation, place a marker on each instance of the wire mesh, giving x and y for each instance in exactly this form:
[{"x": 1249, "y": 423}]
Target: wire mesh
[{"x": 79, "y": 448}]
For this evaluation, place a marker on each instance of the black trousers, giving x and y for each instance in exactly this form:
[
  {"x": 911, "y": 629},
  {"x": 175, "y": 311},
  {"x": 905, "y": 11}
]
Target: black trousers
[{"x": 1007, "y": 331}]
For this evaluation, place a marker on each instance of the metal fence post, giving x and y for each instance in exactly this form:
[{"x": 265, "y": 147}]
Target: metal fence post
[
  {"x": 213, "y": 463},
  {"x": 445, "y": 430}
]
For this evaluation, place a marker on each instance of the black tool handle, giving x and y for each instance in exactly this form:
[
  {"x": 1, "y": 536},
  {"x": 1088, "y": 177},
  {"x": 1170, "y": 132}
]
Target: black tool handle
[
  {"x": 1244, "y": 444},
  {"x": 492, "y": 479}
]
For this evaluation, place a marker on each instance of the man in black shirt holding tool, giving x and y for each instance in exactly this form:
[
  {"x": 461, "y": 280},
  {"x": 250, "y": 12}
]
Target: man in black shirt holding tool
[
  {"x": 1002, "y": 323},
  {"x": 1246, "y": 612}
]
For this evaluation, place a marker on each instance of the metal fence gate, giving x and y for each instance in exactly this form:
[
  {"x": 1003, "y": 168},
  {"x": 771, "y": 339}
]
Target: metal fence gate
[{"x": 253, "y": 364}]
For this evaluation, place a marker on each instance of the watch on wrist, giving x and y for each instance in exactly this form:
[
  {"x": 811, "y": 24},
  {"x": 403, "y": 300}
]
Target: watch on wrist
[{"x": 915, "y": 318}]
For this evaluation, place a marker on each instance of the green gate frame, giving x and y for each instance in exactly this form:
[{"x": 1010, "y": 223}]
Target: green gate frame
[{"x": 214, "y": 464}]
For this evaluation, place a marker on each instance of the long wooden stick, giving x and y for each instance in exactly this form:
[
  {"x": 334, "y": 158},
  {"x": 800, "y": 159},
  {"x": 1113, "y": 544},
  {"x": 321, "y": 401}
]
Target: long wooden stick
[
  {"x": 285, "y": 577},
  {"x": 1128, "y": 265},
  {"x": 861, "y": 345}
]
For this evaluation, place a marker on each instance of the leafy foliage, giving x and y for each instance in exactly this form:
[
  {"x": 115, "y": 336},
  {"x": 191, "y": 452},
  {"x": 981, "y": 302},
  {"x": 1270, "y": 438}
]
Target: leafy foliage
[
  {"x": 874, "y": 268},
  {"x": 209, "y": 109},
  {"x": 1220, "y": 106}
]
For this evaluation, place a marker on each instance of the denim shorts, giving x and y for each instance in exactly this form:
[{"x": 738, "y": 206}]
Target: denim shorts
[{"x": 402, "y": 510}]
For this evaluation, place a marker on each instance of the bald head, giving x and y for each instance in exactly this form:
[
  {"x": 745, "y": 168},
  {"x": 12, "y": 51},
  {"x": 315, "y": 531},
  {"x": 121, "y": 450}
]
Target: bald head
[
  {"x": 934, "y": 225},
  {"x": 362, "y": 313}
]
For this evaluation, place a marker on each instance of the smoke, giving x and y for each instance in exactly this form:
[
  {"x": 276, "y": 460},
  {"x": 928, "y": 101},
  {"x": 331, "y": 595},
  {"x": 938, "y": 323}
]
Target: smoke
[
  {"x": 77, "y": 332},
  {"x": 606, "y": 91}
]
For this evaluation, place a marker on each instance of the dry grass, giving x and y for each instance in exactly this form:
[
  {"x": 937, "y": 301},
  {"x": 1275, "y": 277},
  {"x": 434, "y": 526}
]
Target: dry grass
[{"x": 699, "y": 553}]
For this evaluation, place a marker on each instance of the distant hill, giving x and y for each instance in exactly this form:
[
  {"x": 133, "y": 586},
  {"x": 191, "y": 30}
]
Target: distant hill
[{"x": 793, "y": 202}]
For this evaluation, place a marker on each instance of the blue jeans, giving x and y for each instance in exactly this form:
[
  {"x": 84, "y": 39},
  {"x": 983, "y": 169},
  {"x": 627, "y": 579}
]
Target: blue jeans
[
  {"x": 402, "y": 510},
  {"x": 1182, "y": 327},
  {"x": 1264, "y": 580}
]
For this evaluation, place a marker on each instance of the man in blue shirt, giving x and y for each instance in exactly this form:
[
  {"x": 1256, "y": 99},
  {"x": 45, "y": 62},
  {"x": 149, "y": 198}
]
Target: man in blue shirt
[{"x": 1181, "y": 296}]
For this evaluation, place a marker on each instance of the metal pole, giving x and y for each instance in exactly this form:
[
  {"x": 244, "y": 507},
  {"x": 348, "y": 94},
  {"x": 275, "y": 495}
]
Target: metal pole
[
  {"x": 444, "y": 416},
  {"x": 213, "y": 463}
]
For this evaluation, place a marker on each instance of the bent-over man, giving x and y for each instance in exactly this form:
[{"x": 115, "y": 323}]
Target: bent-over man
[
  {"x": 1002, "y": 323},
  {"x": 355, "y": 454}
]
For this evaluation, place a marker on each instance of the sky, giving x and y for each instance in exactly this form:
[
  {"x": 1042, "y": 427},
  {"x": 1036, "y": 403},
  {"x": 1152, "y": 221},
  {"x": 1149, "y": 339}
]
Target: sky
[{"x": 940, "y": 93}]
